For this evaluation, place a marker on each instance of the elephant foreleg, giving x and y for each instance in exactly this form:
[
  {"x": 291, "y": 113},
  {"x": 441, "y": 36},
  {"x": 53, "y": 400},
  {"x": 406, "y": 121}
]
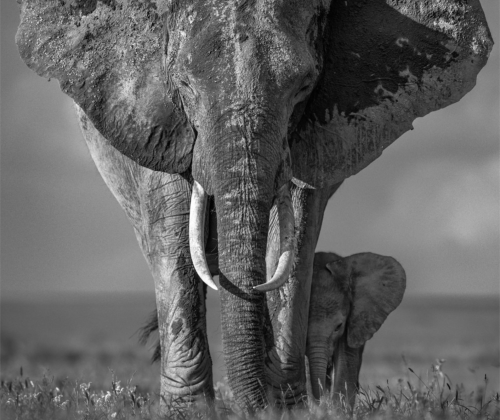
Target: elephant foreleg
[
  {"x": 288, "y": 307},
  {"x": 186, "y": 366},
  {"x": 347, "y": 364},
  {"x": 157, "y": 205}
]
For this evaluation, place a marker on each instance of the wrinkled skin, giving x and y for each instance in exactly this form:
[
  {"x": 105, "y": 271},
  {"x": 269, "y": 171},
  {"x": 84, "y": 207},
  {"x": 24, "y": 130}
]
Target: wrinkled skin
[
  {"x": 350, "y": 299},
  {"x": 244, "y": 98},
  {"x": 157, "y": 204}
]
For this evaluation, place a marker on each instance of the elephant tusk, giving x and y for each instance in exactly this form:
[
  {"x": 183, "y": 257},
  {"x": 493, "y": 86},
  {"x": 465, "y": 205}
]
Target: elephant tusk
[
  {"x": 287, "y": 239},
  {"x": 199, "y": 200}
]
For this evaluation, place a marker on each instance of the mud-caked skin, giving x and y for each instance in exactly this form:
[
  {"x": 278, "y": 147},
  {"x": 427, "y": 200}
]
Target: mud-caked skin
[
  {"x": 247, "y": 99},
  {"x": 350, "y": 299}
]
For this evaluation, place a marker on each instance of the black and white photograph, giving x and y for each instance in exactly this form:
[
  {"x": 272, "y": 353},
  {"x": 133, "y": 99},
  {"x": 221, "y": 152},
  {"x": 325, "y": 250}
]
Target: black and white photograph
[{"x": 250, "y": 209}]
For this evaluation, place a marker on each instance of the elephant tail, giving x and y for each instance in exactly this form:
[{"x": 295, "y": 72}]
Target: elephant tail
[{"x": 146, "y": 331}]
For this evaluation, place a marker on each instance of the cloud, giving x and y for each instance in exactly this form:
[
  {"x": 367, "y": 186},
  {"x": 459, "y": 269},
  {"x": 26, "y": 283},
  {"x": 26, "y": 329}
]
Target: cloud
[
  {"x": 438, "y": 217},
  {"x": 431, "y": 200},
  {"x": 41, "y": 123},
  {"x": 474, "y": 205},
  {"x": 440, "y": 201}
]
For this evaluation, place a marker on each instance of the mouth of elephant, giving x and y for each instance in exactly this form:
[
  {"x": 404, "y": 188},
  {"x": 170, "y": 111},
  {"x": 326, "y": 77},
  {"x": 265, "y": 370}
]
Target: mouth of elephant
[{"x": 206, "y": 264}]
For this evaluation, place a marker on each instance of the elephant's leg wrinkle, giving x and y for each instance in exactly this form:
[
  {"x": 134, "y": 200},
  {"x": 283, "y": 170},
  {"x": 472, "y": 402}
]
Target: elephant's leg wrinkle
[
  {"x": 289, "y": 311},
  {"x": 186, "y": 366},
  {"x": 285, "y": 360},
  {"x": 157, "y": 204}
]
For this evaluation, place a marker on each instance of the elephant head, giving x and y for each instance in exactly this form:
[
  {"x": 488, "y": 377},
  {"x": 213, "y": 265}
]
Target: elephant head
[
  {"x": 350, "y": 299},
  {"x": 244, "y": 98}
]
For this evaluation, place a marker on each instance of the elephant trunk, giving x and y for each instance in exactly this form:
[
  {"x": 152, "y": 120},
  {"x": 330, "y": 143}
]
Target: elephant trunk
[
  {"x": 318, "y": 364},
  {"x": 197, "y": 217},
  {"x": 243, "y": 176},
  {"x": 242, "y": 233}
]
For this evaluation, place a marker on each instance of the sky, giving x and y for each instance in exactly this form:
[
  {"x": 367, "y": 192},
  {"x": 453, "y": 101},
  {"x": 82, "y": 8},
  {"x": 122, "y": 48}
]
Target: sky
[{"x": 431, "y": 200}]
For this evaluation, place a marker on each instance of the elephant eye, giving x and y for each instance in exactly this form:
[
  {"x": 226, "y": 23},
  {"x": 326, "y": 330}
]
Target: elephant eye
[
  {"x": 303, "y": 91},
  {"x": 338, "y": 327}
]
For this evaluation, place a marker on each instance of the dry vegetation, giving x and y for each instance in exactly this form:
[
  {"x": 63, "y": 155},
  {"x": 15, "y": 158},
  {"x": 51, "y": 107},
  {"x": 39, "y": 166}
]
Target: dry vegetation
[
  {"x": 85, "y": 338},
  {"x": 23, "y": 398}
]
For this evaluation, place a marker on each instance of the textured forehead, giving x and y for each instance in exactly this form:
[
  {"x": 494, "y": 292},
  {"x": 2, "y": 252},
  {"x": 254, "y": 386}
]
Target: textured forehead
[
  {"x": 241, "y": 41},
  {"x": 256, "y": 15},
  {"x": 338, "y": 280}
]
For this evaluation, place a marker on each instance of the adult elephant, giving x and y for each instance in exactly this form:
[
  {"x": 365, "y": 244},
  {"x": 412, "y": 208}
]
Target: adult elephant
[{"x": 264, "y": 106}]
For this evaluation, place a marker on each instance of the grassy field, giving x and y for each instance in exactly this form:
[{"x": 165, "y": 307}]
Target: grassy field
[{"x": 74, "y": 340}]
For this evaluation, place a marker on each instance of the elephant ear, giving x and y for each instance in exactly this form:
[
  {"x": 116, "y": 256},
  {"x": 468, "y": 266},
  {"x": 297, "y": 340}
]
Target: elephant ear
[
  {"x": 108, "y": 57},
  {"x": 385, "y": 63},
  {"x": 377, "y": 285}
]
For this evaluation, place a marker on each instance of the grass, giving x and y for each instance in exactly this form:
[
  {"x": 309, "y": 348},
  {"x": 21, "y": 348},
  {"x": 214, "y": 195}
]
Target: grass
[
  {"x": 90, "y": 340},
  {"x": 413, "y": 398}
]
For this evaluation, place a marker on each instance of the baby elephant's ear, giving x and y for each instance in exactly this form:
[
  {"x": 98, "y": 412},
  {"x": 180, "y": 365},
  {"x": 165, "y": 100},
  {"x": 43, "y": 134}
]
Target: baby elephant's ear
[
  {"x": 378, "y": 284},
  {"x": 108, "y": 57}
]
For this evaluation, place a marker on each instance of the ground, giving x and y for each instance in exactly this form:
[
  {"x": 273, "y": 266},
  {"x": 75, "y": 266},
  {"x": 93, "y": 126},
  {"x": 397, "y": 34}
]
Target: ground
[{"x": 90, "y": 338}]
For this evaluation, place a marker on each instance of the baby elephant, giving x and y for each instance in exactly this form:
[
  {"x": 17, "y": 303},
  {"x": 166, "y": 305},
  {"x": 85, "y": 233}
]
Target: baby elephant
[{"x": 350, "y": 299}]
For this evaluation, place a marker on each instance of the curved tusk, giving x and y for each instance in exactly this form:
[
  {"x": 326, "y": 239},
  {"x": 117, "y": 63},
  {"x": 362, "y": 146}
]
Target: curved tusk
[
  {"x": 199, "y": 201},
  {"x": 287, "y": 239}
]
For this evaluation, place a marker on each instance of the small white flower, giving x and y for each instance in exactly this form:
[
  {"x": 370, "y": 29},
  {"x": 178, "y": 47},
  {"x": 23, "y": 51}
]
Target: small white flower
[{"x": 85, "y": 387}]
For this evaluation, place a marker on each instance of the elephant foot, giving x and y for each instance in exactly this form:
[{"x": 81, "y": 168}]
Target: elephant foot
[
  {"x": 186, "y": 380},
  {"x": 174, "y": 406},
  {"x": 287, "y": 395},
  {"x": 186, "y": 389},
  {"x": 286, "y": 381}
]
